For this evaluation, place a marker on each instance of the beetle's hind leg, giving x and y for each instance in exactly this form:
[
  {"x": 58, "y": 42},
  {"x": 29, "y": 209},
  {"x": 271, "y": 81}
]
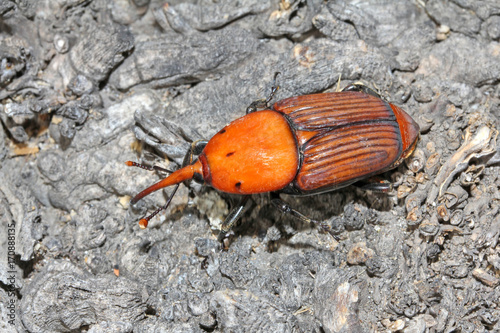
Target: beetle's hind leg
[
  {"x": 375, "y": 184},
  {"x": 264, "y": 103},
  {"x": 233, "y": 216},
  {"x": 285, "y": 208}
]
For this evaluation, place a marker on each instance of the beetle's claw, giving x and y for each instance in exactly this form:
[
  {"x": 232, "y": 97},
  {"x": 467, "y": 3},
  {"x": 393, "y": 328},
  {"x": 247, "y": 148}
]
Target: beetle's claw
[
  {"x": 327, "y": 229},
  {"x": 223, "y": 239},
  {"x": 225, "y": 244},
  {"x": 336, "y": 237}
]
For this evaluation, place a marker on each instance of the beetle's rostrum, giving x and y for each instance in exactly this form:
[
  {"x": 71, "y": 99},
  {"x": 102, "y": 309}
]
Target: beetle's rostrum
[{"x": 301, "y": 145}]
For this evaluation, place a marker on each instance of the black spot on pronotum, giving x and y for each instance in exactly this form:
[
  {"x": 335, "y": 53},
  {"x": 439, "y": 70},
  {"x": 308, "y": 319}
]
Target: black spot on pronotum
[
  {"x": 230, "y": 154},
  {"x": 222, "y": 131},
  {"x": 237, "y": 185}
]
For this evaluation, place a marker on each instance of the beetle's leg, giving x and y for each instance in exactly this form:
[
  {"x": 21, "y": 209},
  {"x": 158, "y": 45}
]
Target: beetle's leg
[
  {"x": 274, "y": 89},
  {"x": 233, "y": 216},
  {"x": 264, "y": 103},
  {"x": 259, "y": 104},
  {"x": 375, "y": 184},
  {"x": 361, "y": 88},
  {"x": 285, "y": 208}
]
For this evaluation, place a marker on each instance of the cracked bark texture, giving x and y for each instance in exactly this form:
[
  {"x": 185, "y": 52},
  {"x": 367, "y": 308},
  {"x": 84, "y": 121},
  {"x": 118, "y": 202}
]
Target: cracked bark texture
[{"x": 86, "y": 85}]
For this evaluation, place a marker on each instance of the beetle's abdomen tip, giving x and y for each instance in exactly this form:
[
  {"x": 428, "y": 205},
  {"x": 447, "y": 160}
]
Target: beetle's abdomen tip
[{"x": 408, "y": 127}]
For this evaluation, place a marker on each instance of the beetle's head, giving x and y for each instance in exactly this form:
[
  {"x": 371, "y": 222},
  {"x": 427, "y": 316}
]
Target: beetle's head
[{"x": 175, "y": 178}]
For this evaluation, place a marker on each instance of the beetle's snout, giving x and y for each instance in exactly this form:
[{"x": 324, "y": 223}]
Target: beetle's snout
[{"x": 176, "y": 177}]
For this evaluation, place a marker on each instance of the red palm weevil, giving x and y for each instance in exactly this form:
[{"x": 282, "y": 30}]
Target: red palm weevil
[{"x": 301, "y": 145}]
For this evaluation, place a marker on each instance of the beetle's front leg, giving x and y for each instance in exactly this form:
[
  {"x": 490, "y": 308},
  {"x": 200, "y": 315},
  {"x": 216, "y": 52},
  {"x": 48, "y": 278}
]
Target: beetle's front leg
[
  {"x": 233, "y": 216},
  {"x": 285, "y": 208},
  {"x": 264, "y": 103}
]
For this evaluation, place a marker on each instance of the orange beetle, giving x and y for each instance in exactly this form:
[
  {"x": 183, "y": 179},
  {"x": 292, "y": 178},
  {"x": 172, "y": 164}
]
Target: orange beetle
[{"x": 301, "y": 145}]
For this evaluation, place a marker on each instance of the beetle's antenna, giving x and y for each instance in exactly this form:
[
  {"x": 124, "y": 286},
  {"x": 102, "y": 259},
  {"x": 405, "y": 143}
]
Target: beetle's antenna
[
  {"x": 143, "y": 223},
  {"x": 147, "y": 167}
]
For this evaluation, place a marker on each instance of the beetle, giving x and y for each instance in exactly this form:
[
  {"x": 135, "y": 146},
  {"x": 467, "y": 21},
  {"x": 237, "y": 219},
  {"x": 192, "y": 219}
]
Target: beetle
[{"x": 301, "y": 145}]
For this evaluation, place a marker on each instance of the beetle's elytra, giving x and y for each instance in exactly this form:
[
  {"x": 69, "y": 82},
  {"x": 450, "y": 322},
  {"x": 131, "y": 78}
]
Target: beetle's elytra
[{"x": 301, "y": 145}]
